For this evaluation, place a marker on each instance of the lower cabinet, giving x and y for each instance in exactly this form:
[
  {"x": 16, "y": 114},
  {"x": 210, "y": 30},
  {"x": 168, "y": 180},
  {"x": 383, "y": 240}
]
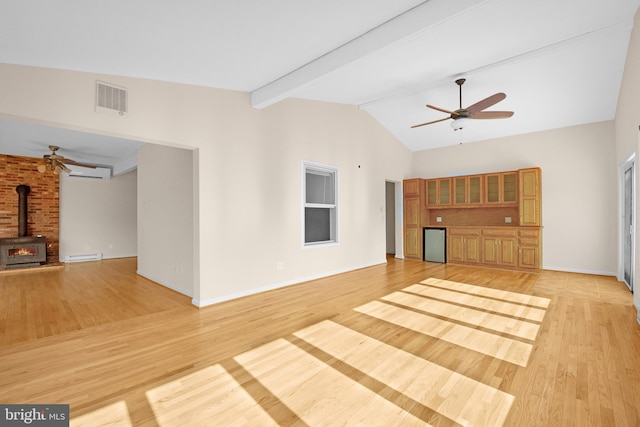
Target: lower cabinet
[
  {"x": 529, "y": 249},
  {"x": 464, "y": 245},
  {"x": 500, "y": 247}
]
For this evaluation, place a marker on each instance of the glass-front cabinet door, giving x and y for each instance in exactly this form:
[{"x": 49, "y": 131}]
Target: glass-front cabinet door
[
  {"x": 509, "y": 187},
  {"x": 467, "y": 190},
  {"x": 439, "y": 192},
  {"x": 502, "y": 188},
  {"x": 475, "y": 190}
]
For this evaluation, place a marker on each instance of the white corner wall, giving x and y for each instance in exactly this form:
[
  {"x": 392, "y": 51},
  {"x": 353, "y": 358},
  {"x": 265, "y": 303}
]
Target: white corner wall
[
  {"x": 98, "y": 216},
  {"x": 628, "y": 132},
  {"x": 165, "y": 216},
  {"x": 579, "y": 188}
]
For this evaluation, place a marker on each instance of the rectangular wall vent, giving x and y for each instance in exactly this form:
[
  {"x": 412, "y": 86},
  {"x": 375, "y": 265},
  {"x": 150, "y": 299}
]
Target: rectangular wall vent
[{"x": 111, "y": 99}]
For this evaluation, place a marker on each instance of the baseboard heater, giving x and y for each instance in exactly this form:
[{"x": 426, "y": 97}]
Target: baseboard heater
[{"x": 87, "y": 257}]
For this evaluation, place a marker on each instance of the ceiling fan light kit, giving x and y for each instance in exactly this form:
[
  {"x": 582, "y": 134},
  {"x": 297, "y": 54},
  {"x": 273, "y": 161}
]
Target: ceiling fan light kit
[
  {"x": 458, "y": 124},
  {"x": 57, "y": 163},
  {"x": 462, "y": 116}
]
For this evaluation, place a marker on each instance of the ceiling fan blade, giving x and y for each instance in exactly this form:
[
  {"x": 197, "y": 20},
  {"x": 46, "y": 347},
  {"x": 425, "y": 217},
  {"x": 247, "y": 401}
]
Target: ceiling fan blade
[
  {"x": 492, "y": 115},
  {"x": 74, "y": 163},
  {"x": 63, "y": 167},
  {"x": 486, "y": 103},
  {"x": 453, "y": 113},
  {"x": 429, "y": 123}
]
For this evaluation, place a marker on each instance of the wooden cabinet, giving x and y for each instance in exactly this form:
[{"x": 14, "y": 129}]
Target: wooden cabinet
[
  {"x": 438, "y": 192},
  {"x": 467, "y": 190},
  {"x": 474, "y": 208},
  {"x": 463, "y": 245},
  {"x": 411, "y": 187},
  {"x": 413, "y": 194},
  {"x": 500, "y": 247},
  {"x": 501, "y": 188},
  {"x": 530, "y": 184},
  {"x": 529, "y": 249}
]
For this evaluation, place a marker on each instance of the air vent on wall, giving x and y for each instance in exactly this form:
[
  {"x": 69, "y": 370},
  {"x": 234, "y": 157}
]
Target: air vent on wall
[{"x": 111, "y": 99}]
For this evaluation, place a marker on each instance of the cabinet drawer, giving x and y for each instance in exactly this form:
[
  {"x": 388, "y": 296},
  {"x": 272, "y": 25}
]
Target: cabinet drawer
[
  {"x": 500, "y": 232},
  {"x": 531, "y": 234},
  {"x": 453, "y": 231}
]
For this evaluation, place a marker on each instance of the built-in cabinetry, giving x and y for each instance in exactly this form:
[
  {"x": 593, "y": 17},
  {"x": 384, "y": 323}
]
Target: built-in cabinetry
[
  {"x": 491, "y": 219},
  {"x": 413, "y": 190}
]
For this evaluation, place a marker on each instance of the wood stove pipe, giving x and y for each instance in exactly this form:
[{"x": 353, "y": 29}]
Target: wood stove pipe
[{"x": 22, "y": 191}]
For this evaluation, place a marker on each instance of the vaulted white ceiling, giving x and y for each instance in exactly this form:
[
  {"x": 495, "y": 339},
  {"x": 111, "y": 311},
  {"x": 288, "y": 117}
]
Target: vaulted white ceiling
[{"x": 560, "y": 62}]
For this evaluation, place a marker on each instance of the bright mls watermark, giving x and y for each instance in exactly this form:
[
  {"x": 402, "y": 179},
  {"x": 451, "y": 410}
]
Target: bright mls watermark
[{"x": 34, "y": 415}]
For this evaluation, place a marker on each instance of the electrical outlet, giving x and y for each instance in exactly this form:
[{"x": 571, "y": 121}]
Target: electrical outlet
[
  {"x": 438, "y": 219},
  {"x": 507, "y": 220},
  {"x": 280, "y": 266}
]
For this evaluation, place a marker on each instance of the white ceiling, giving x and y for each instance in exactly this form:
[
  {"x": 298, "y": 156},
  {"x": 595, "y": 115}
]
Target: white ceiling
[{"x": 560, "y": 62}]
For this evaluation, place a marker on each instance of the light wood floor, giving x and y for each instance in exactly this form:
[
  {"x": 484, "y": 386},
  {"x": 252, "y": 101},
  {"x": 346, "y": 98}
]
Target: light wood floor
[{"x": 406, "y": 343}]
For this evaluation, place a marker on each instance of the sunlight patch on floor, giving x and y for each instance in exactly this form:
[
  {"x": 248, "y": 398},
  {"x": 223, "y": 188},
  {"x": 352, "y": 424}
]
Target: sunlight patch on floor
[
  {"x": 520, "y": 310},
  {"x": 461, "y": 399},
  {"x": 502, "y": 324},
  {"x": 316, "y": 392},
  {"x": 490, "y": 292},
  {"x": 208, "y": 395},
  {"x": 483, "y": 342}
]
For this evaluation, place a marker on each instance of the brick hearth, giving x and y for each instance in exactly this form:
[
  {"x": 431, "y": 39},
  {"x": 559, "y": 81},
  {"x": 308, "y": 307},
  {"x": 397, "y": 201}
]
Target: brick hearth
[{"x": 44, "y": 201}]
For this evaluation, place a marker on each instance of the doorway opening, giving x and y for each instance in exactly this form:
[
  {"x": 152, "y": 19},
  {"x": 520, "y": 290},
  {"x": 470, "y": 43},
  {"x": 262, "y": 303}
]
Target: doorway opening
[
  {"x": 627, "y": 239},
  {"x": 393, "y": 218}
]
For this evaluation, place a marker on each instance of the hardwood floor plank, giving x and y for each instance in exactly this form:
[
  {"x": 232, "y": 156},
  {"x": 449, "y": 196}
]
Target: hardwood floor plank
[{"x": 121, "y": 349}]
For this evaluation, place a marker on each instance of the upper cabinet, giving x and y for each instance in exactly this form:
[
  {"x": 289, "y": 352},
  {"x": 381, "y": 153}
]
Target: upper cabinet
[
  {"x": 467, "y": 190},
  {"x": 501, "y": 188},
  {"x": 530, "y": 196},
  {"x": 411, "y": 187},
  {"x": 438, "y": 192}
]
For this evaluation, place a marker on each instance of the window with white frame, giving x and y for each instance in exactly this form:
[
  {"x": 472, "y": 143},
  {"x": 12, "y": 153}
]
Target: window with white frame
[{"x": 320, "y": 203}]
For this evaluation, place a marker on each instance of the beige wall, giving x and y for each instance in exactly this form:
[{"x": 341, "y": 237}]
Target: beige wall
[
  {"x": 579, "y": 188},
  {"x": 247, "y": 178},
  {"x": 626, "y": 129},
  {"x": 165, "y": 216},
  {"x": 98, "y": 216}
]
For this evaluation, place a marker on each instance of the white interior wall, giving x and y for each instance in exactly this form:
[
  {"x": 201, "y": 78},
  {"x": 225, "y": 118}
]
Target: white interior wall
[
  {"x": 579, "y": 188},
  {"x": 98, "y": 216},
  {"x": 165, "y": 216},
  {"x": 627, "y": 129},
  {"x": 247, "y": 180}
]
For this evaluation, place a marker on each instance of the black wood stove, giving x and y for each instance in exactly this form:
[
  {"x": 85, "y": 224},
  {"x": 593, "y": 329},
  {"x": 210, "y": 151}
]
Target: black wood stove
[{"x": 22, "y": 251}]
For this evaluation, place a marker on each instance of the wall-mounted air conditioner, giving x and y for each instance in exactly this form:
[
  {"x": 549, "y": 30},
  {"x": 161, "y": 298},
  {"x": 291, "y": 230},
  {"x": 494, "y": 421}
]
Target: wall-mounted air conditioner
[{"x": 97, "y": 173}]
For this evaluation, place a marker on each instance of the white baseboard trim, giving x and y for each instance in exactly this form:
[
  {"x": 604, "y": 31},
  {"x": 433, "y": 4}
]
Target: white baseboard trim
[
  {"x": 237, "y": 295},
  {"x": 166, "y": 285},
  {"x": 578, "y": 270},
  {"x": 119, "y": 256}
]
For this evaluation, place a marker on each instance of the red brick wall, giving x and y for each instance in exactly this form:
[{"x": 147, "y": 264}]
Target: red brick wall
[{"x": 43, "y": 216}]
